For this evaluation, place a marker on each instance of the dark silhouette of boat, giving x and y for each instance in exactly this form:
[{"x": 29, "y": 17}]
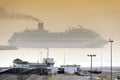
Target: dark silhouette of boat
[
  {"x": 7, "y": 47},
  {"x": 95, "y": 72}
]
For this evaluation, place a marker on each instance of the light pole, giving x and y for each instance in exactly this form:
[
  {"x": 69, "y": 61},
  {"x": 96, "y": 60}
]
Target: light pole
[
  {"x": 111, "y": 41},
  {"x": 91, "y": 65},
  {"x": 41, "y": 56},
  {"x": 64, "y": 58},
  {"x": 47, "y": 52},
  {"x": 101, "y": 68}
]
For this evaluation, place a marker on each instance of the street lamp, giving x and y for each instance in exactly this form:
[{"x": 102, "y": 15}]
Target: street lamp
[
  {"x": 101, "y": 68},
  {"x": 91, "y": 65},
  {"x": 111, "y": 41},
  {"x": 41, "y": 56},
  {"x": 64, "y": 57},
  {"x": 47, "y": 52}
]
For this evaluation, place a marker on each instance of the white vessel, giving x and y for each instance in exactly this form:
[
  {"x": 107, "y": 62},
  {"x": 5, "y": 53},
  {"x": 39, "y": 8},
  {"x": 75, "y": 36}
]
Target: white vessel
[{"x": 72, "y": 38}]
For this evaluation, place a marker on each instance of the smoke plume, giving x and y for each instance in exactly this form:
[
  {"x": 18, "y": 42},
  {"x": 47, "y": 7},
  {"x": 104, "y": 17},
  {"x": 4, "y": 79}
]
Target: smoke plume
[{"x": 13, "y": 15}]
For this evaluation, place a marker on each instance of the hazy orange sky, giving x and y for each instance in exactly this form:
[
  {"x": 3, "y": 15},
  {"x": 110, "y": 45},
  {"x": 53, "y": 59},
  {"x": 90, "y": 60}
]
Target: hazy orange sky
[{"x": 102, "y": 16}]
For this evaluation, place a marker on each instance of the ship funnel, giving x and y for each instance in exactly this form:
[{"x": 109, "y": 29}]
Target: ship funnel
[{"x": 40, "y": 26}]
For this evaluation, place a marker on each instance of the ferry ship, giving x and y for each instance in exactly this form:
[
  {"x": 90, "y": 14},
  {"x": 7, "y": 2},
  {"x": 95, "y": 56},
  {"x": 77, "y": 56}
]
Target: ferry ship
[
  {"x": 7, "y": 47},
  {"x": 71, "y": 38}
]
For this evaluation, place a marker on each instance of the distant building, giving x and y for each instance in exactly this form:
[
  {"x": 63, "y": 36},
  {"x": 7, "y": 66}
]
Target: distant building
[
  {"x": 70, "y": 69},
  {"x": 47, "y": 62},
  {"x": 53, "y": 69}
]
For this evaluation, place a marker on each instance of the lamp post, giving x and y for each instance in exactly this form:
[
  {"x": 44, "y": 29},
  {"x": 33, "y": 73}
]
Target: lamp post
[
  {"x": 47, "y": 52},
  {"x": 41, "y": 56},
  {"x": 64, "y": 58},
  {"x": 101, "y": 68},
  {"x": 111, "y": 41},
  {"x": 91, "y": 65}
]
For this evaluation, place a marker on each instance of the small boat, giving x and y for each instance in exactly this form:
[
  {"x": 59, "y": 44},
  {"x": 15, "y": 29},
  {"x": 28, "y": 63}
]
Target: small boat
[{"x": 5, "y": 47}]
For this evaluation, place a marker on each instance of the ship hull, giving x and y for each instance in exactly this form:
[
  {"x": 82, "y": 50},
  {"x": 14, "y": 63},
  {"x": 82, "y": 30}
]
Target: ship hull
[{"x": 83, "y": 44}]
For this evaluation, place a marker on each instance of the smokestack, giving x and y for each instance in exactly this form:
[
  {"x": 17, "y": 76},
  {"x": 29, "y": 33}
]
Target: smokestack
[{"x": 40, "y": 26}]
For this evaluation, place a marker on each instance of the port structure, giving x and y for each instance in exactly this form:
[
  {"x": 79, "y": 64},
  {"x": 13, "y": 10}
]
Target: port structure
[
  {"x": 111, "y": 41},
  {"x": 91, "y": 56}
]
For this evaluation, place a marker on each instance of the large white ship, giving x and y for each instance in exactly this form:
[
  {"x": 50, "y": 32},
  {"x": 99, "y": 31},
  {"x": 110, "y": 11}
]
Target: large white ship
[{"x": 72, "y": 38}]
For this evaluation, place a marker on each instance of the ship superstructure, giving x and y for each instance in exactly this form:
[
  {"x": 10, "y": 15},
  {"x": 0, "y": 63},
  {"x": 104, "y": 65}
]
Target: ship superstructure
[{"x": 72, "y": 38}]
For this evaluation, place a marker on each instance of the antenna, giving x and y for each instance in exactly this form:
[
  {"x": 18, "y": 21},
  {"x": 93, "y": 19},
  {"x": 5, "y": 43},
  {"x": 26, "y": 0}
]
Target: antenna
[
  {"x": 41, "y": 56},
  {"x": 64, "y": 58},
  {"x": 47, "y": 52}
]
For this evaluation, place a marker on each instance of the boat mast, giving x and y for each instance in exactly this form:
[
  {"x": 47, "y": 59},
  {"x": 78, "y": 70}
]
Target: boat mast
[{"x": 47, "y": 52}]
